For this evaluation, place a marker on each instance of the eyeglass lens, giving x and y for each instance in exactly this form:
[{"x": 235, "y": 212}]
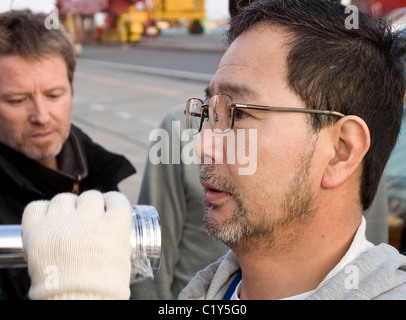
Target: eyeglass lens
[
  {"x": 194, "y": 113},
  {"x": 220, "y": 114}
]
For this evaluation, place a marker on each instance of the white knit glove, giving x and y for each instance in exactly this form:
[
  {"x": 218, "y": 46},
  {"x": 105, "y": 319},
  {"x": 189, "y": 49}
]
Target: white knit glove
[{"x": 78, "y": 247}]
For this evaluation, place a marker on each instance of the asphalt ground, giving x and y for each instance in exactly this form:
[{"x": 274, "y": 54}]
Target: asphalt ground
[{"x": 118, "y": 103}]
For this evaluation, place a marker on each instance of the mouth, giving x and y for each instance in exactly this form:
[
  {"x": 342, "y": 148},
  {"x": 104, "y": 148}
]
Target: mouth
[
  {"x": 214, "y": 195},
  {"x": 41, "y": 136}
]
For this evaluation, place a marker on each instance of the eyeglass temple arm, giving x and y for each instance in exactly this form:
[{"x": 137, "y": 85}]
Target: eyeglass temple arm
[{"x": 285, "y": 109}]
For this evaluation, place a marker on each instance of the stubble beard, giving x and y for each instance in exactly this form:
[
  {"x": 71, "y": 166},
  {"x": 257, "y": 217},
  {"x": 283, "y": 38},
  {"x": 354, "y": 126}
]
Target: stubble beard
[
  {"x": 249, "y": 229},
  {"x": 40, "y": 152}
]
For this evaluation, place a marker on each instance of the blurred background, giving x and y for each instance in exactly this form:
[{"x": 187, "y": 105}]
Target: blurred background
[
  {"x": 137, "y": 59},
  {"x": 126, "y": 21}
]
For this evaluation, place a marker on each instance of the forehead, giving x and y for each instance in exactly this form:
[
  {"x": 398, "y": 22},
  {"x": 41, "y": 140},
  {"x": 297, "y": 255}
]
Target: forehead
[
  {"x": 254, "y": 63},
  {"x": 16, "y": 71}
]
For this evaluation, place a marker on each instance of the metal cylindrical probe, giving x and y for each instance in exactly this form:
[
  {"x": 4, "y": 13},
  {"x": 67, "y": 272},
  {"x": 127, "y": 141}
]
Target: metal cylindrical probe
[{"x": 145, "y": 242}]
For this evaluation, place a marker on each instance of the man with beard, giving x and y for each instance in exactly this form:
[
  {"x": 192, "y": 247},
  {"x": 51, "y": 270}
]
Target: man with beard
[
  {"x": 41, "y": 152},
  {"x": 326, "y": 125},
  {"x": 175, "y": 190},
  {"x": 325, "y": 103}
]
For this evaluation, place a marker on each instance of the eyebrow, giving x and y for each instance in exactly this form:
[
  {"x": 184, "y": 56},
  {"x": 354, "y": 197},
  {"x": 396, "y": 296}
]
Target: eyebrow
[
  {"x": 21, "y": 93},
  {"x": 233, "y": 90}
]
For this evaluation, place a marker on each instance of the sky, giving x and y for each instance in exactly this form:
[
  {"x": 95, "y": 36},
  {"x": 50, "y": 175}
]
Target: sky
[{"x": 216, "y": 9}]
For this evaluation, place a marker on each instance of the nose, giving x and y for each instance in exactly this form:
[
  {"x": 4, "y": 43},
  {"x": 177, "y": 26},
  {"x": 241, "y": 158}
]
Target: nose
[
  {"x": 209, "y": 146},
  {"x": 39, "y": 113}
]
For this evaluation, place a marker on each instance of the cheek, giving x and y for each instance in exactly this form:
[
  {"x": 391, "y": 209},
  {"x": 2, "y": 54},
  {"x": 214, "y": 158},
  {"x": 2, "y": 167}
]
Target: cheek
[
  {"x": 275, "y": 168},
  {"x": 62, "y": 115},
  {"x": 259, "y": 186},
  {"x": 66, "y": 106},
  {"x": 11, "y": 127}
]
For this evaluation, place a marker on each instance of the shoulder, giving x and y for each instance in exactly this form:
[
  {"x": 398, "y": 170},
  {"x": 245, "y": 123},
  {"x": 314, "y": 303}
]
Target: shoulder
[
  {"x": 212, "y": 282},
  {"x": 175, "y": 113},
  {"x": 378, "y": 273}
]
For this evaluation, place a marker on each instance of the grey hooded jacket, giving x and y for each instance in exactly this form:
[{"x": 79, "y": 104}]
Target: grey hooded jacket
[{"x": 378, "y": 273}]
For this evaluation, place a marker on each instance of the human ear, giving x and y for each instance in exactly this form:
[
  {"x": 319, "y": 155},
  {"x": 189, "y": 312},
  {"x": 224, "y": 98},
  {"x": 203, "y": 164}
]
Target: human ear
[{"x": 350, "y": 141}]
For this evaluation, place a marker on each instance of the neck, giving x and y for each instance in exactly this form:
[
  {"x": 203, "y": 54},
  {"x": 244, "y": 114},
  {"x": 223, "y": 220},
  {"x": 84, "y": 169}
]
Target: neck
[{"x": 297, "y": 263}]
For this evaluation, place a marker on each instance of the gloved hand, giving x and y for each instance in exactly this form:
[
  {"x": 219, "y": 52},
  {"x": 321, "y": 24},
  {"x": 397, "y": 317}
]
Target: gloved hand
[{"x": 78, "y": 247}]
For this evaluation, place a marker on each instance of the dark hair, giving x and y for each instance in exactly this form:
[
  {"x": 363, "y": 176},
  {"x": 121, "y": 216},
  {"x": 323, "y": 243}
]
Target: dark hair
[
  {"x": 235, "y": 6},
  {"x": 24, "y": 33},
  {"x": 355, "y": 71}
]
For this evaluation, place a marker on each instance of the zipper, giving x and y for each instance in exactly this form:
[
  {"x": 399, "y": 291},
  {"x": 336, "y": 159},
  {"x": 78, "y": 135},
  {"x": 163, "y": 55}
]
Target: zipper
[{"x": 76, "y": 184}]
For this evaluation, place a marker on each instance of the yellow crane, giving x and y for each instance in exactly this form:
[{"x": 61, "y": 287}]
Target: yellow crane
[
  {"x": 127, "y": 20},
  {"x": 191, "y": 12}
]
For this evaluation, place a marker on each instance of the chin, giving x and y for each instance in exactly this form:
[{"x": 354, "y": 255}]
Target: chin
[{"x": 43, "y": 153}]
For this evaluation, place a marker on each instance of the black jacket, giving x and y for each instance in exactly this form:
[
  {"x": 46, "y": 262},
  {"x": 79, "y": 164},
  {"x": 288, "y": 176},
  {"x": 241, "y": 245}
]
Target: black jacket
[{"x": 85, "y": 165}]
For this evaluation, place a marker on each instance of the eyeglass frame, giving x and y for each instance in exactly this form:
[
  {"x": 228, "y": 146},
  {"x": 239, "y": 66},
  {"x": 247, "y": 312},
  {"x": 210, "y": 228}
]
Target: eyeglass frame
[{"x": 235, "y": 105}]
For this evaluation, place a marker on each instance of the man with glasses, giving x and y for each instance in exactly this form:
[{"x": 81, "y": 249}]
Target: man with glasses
[
  {"x": 175, "y": 190},
  {"x": 325, "y": 103}
]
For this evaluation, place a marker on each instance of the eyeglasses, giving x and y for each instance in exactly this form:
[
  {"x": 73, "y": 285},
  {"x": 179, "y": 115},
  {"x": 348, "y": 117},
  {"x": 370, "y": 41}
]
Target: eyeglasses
[{"x": 221, "y": 111}]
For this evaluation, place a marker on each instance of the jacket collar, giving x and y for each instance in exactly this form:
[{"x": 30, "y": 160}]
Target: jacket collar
[
  {"x": 23, "y": 170},
  {"x": 213, "y": 282}
]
